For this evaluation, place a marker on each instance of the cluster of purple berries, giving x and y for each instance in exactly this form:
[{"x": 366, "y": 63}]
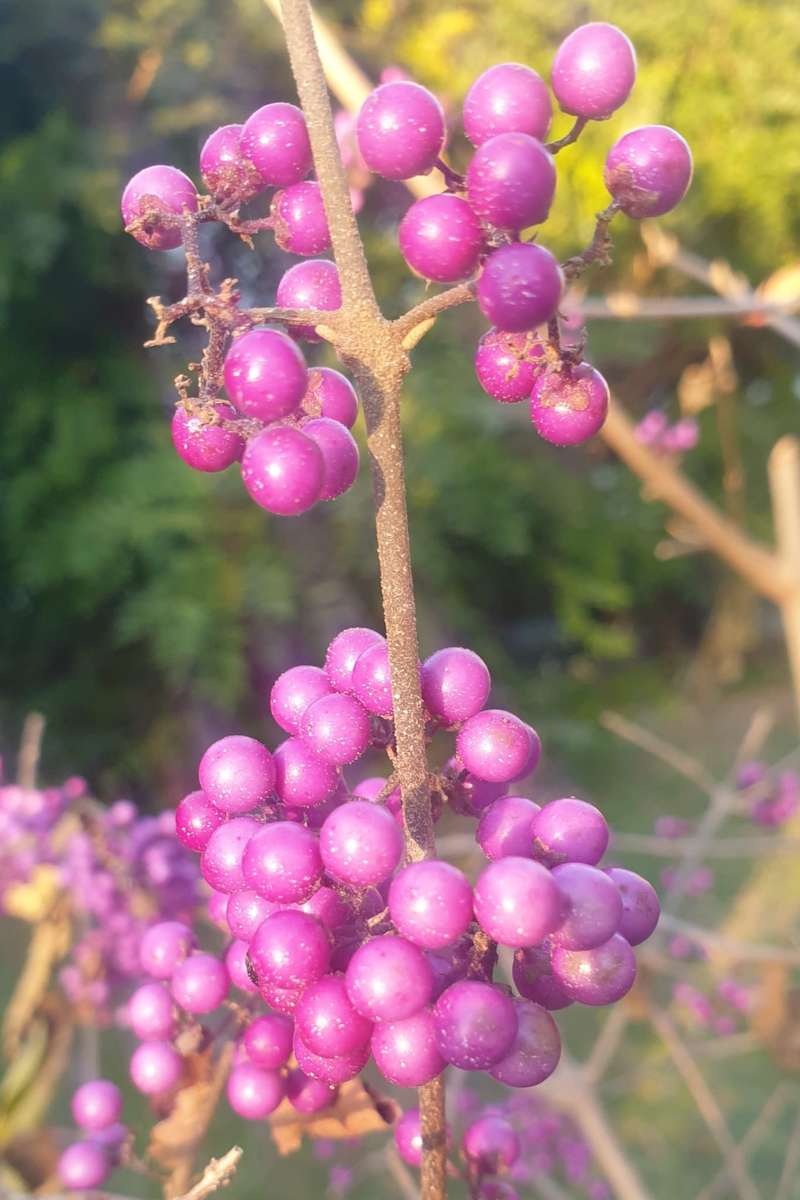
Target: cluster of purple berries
[
  {"x": 656, "y": 431},
  {"x": 96, "y": 1110}
]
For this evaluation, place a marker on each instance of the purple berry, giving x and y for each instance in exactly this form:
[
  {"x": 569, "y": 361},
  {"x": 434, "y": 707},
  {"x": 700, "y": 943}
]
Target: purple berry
[
  {"x": 372, "y": 680},
  {"x": 405, "y": 1052},
  {"x": 506, "y": 827},
  {"x": 494, "y": 745},
  {"x": 245, "y": 911},
  {"x": 200, "y": 983},
  {"x": 337, "y": 728},
  {"x": 570, "y": 830},
  {"x": 400, "y": 130},
  {"x": 343, "y": 653},
  {"x": 283, "y": 1000},
  {"x": 441, "y": 238},
  {"x": 598, "y": 976},
  {"x": 507, "y": 364},
  {"x": 268, "y": 1041},
  {"x": 455, "y": 684},
  {"x": 228, "y": 175},
  {"x": 511, "y": 181},
  {"x": 299, "y": 222},
  {"x": 491, "y": 1143},
  {"x": 594, "y": 71},
  {"x": 196, "y": 818},
  {"x": 158, "y": 190},
  {"x": 275, "y": 140},
  {"x": 204, "y": 446},
  {"x": 327, "y": 907},
  {"x": 508, "y": 98},
  {"x": 221, "y": 863},
  {"x": 534, "y": 978},
  {"x": 283, "y": 471},
  {"x": 535, "y": 1051},
  {"x": 253, "y": 1093},
  {"x": 83, "y": 1166},
  {"x": 293, "y": 692},
  {"x": 592, "y": 904},
  {"x": 97, "y": 1104},
  {"x": 236, "y": 967},
  {"x": 151, "y": 1013},
  {"x": 388, "y": 979},
  {"x": 282, "y": 862},
  {"x": 640, "y": 906},
  {"x": 156, "y": 1067},
  {"x": 265, "y": 374},
  {"x": 327, "y": 1021},
  {"x": 290, "y": 949},
  {"x": 310, "y": 284},
  {"x": 569, "y": 406},
  {"x": 331, "y": 1071},
  {"x": 307, "y": 1095},
  {"x": 408, "y": 1137},
  {"x": 360, "y": 843},
  {"x": 517, "y": 902},
  {"x": 303, "y": 779},
  {"x": 237, "y": 774},
  {"x": 520, "y": 287},
  {"x": 431, "y": 903},
  {"x": 163, "y": 947},
  {"x": 476, "y": 1024},
  {"x": 330, "y": 394},
  {"x": 648, "y": 171},
  {"x": 340, "y": 457}
]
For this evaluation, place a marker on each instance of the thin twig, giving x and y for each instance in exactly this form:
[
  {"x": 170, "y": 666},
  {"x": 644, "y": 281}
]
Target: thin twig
[
  {"x": 30, "y": 749},
  {"x": 570, "y": 137},
  {"x": 759, "y": 846},
  {"x": 740, "y": 951},
  {"x": 752, "y": 1137},
  {"x": 691, "y": 768},
  {"x": 790, "y": 1164}
]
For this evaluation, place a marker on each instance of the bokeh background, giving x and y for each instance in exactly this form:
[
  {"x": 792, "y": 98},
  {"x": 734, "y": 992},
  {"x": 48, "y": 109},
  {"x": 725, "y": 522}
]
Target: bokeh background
[{"x": 146, "y": 609}]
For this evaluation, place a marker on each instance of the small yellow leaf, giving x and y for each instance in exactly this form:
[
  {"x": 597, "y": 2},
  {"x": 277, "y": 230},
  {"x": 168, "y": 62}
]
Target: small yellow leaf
[{"x": 356, "y": 1112}]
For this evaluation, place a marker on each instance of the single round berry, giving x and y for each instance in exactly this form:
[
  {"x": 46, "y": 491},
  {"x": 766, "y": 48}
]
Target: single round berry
[
  {"x": 327, "y": 1021},
  {"x": 307, "y": 1095},
  {"x": 517, "y": 902},
  {"x": 360, "y": 843},
  {"x": 237, "y": 774},
  {"x": 400, "y": 130},
  {"x": 283, "y": 471},
  {"x": 372, "y": 680},
  {"x": 508, "y": 98},
  {"x": 340, "y": 457},
  {"x": 163, "y": 947},
  {"x": 337, "y": 728},
  {"x": 97, "y": 1104},
  {"x": 405, "y": 1052},
  {"x": 441, "y": 238},
  {"x": 491, "y": 1143},
  {"x": 331, "y": 1071},
  {"x": 570, "y": 830},
  {"x": 594, "y": 71},
  {"x": 592, "y": 906},
  {"x": 408, "y": 1137},
  {"x": 569, "y": 406},
  {"x": 494, "y": 745},
  {"x": 236, "y": 965},
  {"x": 535, "y": 1051},
  {"x": 476, "y": 1024},
  {"x": 282, "y": 1000},
  {"x": 310, "y": 284},
  {"x": 330, "y": 394},
  {"x": 268, "y": 1041},
  {"x": 598, "y": 976},
  {"x": 228, "y": 175},
  {"x": 151, "y": 1013},
  {"x": 293, "y": 692},
  {"x": 506, "y": 828},
  {"x": 507, "y": 364},
  {"x": 245, "y": 911},
  {"x": 205, "y": 446},
  {"x": 520, "y": 287},
  {"x": 534, "y": 754},
  {"x": 431, "y": 903},
  {"x": 511, "y": 181},
  {"x": 156, "y": 1067},
  {"x": 253, "y": 1093},
  {"x": 265, "y": 374},
  {"x": 196, "y": 818},
  {"x": 290, "y": 949},
  {"x": 455, "y": 684},
  {"x": 534, "y": 979},
  {"x": 221, "y": 863},
  {"x": 640, "y": 906},
  {"x": 388, "y": 979},
  {"x": 217, "y": 909},
  {"x": 343, "y": 653},
  {"x": 157, "y": 195},
  {"x": 83, "y": 1166},
  {"x": 299, "y": 222},
  {"x": 327, "y": 906},
  {"x": 648, "y": 171},
  {"x": 275, "y": 140},
  {"x": 200, "y": 983},
  {"x": 303, "y": 779},
  {"x": 282, "y": 862}
]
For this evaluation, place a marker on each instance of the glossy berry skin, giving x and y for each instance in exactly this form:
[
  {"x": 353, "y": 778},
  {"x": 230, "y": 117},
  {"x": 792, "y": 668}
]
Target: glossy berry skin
[
  {"x": 598, "y": 976},
  {"x": 340, "y": 456},
  {"x": 360, "y": 843},
  {"x": 337, "y": 728},
  {"x": 343, "y": 653},
  {"x": 506, "y": 827},
  {"x": 430, "y": 903},
  {"x": 221, "y": 863},
  {"x": 275, "y": 140},
  {"x": 237, "y": 774},
  {"x": 330, "y": 394},
  {"x": 299, "y": 222},
  {"x": 648, "y": 171},
  {"x": 200, "y": 983},
  {"x": 570, "y": 830},
  {"x": 293, "y": 692},
  {"x": 594, "y": 71},
  {"x": 520, "y": 287},
  {"x": 507, "y": 98},
  {"x": 517, "y": 902},
  {"x": 282, "y": 862},
  {"x": 408, "y": 1137},
  {"x": 96, "y": 1105},
  {"x": 494, "y": 745},
  {"x": 570, "y": 406},
  {"x": 441, "y": 238},
  {"x": 282, "y": 1000},
  {"x": 290, "y": 949},
  {"x": 511, "y": 181},
  {"x": 151, "y": 1013},
  {"x": 372, "y": 680},
  {"x": 253, "y": 1093},
  {"x": 245, "y": 910},
  {"x": 160, "y": 189},
  {"x": 265, "y": 374},
  {"x": 536, "y": 1049},
  {"x": 196, "y": 818},
  {"x": 507, "y": 364},
  {"x": 331, "y": 1071},
  {"x": 163, "y": 947},
  {"x": 491, "y": 1143},
  {"x": 400, "y": 130},
  {"x": 283, "y": 471},
  {"x": 156, "y": 1067},
  {"x": 83, "y": 1166},
  {"x": 236, "y": 967},
  {"x": 455, "y": 684},
  {"x": 592, "y": 905},
  {"x": 327, "y": 1021},
  {"x": 534, "y": 979},
  {"x": 307, "y": 1095},
  {"x": 476, "y": 1024},
  {"x": 640, "y": 906},
  {"x": 310, "y": 284},
  {"x": 268, "y": 1041},
  {"x": 227, "y": 174},
  {"x": 303, "y": 779},
  {"x": 405, "y": 1052},
  {"x": 206, "y": 447},
  {"x": 388, "y": 979}
]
